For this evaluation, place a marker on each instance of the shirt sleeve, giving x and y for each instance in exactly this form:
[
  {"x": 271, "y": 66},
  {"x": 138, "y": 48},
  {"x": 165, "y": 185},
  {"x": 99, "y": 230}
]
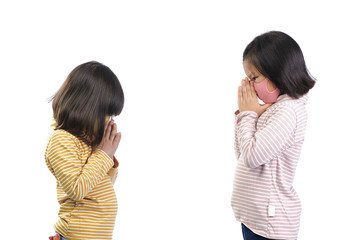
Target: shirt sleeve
[
  {"x": 76, "y": 178},
  {"x": 256, "y": 147},
  {"x": 236, "y": 143}
]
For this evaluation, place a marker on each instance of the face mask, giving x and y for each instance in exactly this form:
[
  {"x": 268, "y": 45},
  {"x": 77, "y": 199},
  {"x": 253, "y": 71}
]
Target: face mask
[{"x": 264, "y": 94}]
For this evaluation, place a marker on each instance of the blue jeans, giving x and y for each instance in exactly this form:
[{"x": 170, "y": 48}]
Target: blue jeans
[
  {"x": 63, "y": 238},
  {"x": 249, "y": 235}
]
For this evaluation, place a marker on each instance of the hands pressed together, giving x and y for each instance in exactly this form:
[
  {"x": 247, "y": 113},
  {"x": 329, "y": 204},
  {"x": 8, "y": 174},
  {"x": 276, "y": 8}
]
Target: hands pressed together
[
  {"x": 111, "y": 139},
  {"x": 247, "y": 98}
]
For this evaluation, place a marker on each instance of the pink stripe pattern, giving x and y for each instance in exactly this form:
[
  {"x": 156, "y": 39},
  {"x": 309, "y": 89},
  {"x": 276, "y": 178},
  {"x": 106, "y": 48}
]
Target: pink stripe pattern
[{"x": 268, "y": 149}]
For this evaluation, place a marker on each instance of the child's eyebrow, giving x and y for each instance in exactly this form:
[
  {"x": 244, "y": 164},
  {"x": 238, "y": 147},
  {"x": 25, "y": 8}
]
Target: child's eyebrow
[{"x": 250, "y": 74}]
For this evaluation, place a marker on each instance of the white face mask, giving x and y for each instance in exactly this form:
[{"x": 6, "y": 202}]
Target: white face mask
[{"x": 264, "y": 94}]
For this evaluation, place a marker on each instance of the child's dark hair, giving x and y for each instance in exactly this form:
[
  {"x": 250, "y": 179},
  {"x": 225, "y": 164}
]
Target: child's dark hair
[
  {"x": 90, "y": 93},
  {"x": 279, "y": 58}
]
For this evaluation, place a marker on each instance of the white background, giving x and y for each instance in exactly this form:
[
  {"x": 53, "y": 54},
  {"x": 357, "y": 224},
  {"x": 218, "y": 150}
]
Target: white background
[{"x": 180, "y": 63}]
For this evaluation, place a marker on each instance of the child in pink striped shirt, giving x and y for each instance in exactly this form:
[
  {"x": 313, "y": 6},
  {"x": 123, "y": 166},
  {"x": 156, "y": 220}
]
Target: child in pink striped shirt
[{"x": 269, "y": 137}]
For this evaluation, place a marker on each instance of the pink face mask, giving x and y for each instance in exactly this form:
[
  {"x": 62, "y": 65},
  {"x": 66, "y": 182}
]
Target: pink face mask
[{"x": 264, "y": 94}]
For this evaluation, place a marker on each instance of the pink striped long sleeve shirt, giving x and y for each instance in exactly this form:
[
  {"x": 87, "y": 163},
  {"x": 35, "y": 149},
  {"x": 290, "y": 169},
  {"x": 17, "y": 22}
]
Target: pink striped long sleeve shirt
[{"x": 267, "y": 149}]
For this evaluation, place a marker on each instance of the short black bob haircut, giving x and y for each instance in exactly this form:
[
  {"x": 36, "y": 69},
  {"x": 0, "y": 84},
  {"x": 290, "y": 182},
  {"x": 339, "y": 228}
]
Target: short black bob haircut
[
  {"x": 90, "y": 93},
  {"x": 279, "y": 58}
]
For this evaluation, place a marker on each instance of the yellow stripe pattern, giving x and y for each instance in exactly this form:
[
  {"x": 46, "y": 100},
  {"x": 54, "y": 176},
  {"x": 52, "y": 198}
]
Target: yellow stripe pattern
[{"x": 88, "y": 205}]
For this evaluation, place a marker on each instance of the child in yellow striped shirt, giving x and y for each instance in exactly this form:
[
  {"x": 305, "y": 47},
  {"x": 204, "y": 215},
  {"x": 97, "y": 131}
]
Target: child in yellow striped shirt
[{"x": 80, "y": 152}]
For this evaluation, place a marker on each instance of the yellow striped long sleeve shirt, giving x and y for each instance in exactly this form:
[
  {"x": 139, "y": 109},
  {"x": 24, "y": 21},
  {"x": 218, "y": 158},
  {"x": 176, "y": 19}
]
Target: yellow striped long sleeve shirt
[{"x": 88, "y": 205}]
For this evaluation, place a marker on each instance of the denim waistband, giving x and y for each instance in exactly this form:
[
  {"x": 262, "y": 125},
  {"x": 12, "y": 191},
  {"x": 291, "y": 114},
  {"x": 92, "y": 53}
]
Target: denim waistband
[{"x": 62, "y": 238}]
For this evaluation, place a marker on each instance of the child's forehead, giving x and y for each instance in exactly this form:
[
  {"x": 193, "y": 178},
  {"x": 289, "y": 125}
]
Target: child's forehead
[{"x": 250, "y": 69}]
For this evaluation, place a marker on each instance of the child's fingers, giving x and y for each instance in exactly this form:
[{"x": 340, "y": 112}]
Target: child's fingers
[
  {"x": 108, "y": 129},
  {"x": 244, "y": 87},
  {"x": 113, "y": 132},
  {"x": 105, "y": 129},
  {"x": 249, "y": 89},
  {"x": 253, "y": 91},
  {"x": 117, "y": 138}
]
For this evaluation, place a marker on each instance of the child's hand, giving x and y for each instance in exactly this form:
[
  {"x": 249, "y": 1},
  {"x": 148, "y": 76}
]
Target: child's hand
[
  {"x": 247, "y": 98},
  {"x": 111, "y": 139}
]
